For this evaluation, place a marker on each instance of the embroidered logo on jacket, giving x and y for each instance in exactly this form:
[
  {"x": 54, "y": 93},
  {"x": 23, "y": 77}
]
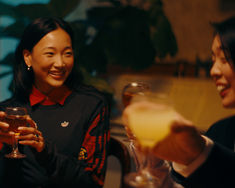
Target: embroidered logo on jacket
[
  {"x": 83, "y": 154},
  {"x": 64, "y": 124}
]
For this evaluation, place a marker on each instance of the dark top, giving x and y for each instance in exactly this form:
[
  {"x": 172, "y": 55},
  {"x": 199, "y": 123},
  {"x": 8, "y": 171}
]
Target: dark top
[
  {"x": 74, "y": 155},
  {"x": 219, "y": 169}
]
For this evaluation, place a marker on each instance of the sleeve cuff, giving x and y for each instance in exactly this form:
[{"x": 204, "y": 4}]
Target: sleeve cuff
[{"x": 187, "y": 170}]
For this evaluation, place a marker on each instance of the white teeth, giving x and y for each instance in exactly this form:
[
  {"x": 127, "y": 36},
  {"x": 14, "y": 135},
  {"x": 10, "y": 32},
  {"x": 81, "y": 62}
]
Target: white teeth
[
  {"x": 56, "y": 73},
  {"x": 220, "y": 88}
]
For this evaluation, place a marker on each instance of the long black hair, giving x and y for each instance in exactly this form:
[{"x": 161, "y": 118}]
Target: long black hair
[
  {"x": 23, "y": 79},
  {"x": 226, "y": 32}
]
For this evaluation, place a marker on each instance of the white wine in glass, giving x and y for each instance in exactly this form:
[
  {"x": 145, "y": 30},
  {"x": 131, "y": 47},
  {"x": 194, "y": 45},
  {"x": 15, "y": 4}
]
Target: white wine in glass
[{"x": 15, "y": 117}]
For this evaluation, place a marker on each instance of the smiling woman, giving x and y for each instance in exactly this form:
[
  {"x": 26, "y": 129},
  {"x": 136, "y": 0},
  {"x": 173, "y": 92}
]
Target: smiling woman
[
  {"x": 67, "y": 119},
  {"x": 51, "y": 60},
  {"x": 203, "y": 160},
  {"x": 223, "y": 72}
]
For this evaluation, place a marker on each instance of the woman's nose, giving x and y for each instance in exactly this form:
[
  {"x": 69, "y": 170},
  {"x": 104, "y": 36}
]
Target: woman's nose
[
  {"x": 59, "y": 62},
  {"x": 215, "y": 70}
]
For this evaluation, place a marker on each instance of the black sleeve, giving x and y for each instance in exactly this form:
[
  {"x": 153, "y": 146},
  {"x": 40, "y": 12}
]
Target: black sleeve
[
  {"x": 90, "y": 172},
  {"x": 218, "y": 171}
]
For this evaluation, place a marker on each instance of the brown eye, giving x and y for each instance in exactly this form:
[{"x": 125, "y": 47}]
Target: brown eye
[
  {"x": 49, "y": 54},
  {"x": 68, "y": 54}
]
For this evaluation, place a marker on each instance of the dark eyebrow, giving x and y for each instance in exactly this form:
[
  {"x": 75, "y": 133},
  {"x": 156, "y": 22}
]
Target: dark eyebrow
[
  {"x": 68, "y": 47},
  {"x": 53, "y": 48},
  {"x": 48, "y": 48}
]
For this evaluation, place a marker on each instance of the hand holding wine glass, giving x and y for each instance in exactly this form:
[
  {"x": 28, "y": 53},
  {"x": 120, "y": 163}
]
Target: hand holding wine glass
[
  {"x": 5, "y": 135},
  {"x": 183, "y": 144},
  {"x": 167, "y": 134},
  {"x": 16, "y": 125},
  {"x": 31, "y": 136},
  {"x": 15, "y": 117}
]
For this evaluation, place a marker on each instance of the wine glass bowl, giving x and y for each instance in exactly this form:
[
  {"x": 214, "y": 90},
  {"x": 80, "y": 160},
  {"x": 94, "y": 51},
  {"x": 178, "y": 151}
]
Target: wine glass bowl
[
  {"x": 15, "y": 117},
  {"x": 129, "y": 91},
  {"x": 132, "y": 89},
  {"x": 150, "y": 119}
]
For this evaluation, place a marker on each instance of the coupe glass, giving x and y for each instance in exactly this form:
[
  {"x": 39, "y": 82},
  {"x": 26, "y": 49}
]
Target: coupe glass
[
  {"x": 149, "y": 122},
  {"x": 15, "y": 117}
]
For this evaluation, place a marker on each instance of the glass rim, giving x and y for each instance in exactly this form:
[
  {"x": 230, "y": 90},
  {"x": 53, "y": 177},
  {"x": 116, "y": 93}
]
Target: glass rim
[{"x": 16, "y": 108}]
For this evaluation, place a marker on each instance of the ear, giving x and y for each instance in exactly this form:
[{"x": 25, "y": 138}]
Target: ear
[{"x": 27, "y": 58}]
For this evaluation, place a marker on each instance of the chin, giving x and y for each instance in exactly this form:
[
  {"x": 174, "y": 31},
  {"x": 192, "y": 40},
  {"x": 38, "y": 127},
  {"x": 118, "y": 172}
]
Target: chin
[
  {"x": 228, "y": 104},
  {"x": 57, "y": 84}
]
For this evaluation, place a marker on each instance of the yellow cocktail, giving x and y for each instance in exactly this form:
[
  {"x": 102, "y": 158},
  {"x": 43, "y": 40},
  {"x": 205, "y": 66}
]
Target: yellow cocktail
[{"x": 150, "y": 122}]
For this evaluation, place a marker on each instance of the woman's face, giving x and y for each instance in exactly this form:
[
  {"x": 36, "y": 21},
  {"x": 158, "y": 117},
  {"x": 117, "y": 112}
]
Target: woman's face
[
  {"x": 223, "y": 73},
  {"x": 51, "y": 59}
]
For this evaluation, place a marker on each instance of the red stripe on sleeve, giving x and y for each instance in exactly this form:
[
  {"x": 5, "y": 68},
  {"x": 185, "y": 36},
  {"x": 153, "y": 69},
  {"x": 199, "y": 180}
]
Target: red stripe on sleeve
[{"x": 95, "y": 146}]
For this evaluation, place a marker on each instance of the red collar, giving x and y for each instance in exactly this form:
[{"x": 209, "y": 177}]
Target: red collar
[{"x": 58, "y": 95}]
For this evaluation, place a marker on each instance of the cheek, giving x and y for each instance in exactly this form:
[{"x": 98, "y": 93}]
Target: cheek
[
  {"x": 70, "y": 65},
  {"x": 40, "y": 69},
  {"x": 233, "y": 89},
  {"x": 229, "y": 74}
]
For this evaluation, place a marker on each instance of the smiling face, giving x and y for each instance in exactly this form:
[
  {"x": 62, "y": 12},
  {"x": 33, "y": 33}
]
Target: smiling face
[
  {"x": 51, "y": 59},
  {"x": 223, "y": 73}
]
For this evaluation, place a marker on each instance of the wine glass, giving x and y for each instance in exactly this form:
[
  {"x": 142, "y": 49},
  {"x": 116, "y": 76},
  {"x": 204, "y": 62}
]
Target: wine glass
[
  {"x": 129, "y": 91},
  {"x": 15, "y": 117},
  {"x": 148, "y": 117},
  {"x": 132, "y": 89}
]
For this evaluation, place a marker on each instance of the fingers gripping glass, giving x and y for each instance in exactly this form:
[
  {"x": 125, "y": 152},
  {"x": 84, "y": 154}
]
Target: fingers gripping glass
[{"x": 15, "y": 117}]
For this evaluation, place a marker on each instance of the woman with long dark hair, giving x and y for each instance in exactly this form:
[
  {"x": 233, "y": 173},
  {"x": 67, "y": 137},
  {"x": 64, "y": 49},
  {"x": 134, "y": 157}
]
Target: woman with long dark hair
[{"x": 66, "y": 142}]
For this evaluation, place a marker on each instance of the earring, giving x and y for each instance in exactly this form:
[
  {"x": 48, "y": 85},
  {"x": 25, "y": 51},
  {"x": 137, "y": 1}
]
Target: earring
[{"x": 29, "y": 68}]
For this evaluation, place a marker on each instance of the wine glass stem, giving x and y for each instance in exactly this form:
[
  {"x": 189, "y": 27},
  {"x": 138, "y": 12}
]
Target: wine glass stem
[
  {"x": 15, "y": 145},
  {"x": 132, "y": 149}
]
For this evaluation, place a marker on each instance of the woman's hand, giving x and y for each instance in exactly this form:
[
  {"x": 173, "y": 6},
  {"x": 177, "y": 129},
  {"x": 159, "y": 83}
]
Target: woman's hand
[
  {"x": 183, "y": 143},
  {"x": 31, "y": 136},
  {"x": 5, "y": 135}
]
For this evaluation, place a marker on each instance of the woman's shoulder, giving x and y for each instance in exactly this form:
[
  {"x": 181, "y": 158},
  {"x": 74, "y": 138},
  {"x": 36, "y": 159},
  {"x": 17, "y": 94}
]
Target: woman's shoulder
[
  {"x": 9, "y": 102},
  {"x": 90, "y": 93},
  {"x": 223, "y": 122},
  {"x": 221, "y": 127}
]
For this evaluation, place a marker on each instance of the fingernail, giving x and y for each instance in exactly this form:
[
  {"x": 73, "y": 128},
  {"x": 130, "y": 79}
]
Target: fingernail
[{"x": 20, "y": 128}]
